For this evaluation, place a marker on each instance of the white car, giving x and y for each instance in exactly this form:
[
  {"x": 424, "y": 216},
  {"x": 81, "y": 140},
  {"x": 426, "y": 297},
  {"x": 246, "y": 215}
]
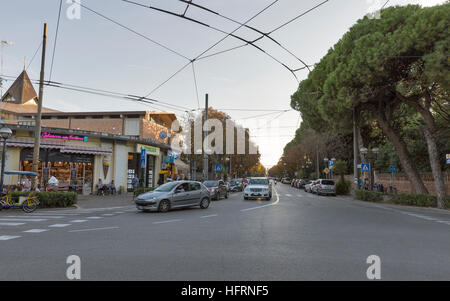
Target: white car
[{"x": 258, "y": 188}]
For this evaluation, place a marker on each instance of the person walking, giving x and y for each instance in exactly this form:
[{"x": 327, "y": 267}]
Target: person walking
[{"x": 135, "y": 183}]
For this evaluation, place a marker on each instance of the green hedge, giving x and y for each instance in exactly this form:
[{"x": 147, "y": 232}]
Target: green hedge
[
  {"x": 343, "y": 188},
  {"x": 141, "y": 190},
  {"x": 368, "y": 196},
  {"x": 420, "y": 200},
  {"x": 52, "y": 199}
]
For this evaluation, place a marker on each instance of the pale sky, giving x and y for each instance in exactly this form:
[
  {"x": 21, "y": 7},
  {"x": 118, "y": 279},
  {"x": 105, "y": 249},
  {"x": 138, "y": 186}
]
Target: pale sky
[{"x": 96, "y": 53}]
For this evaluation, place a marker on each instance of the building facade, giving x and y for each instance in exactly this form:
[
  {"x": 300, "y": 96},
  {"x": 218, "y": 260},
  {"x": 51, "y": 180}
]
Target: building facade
[{"x": 82, "y": 148}]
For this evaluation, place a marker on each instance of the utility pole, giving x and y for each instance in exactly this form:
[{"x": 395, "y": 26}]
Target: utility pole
[
  {"x": 355, "y": 151},
  {"x": 317, "y": 163},
  {"x": 205, "y": 155},
  {"x": 37, "y": 127}
]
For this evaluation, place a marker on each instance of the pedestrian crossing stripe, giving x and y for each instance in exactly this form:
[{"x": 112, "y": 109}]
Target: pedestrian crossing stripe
[
  {"x": 36, "y": 231},
  {"x": 59, "y": 225},
  {"x": 8, "y": 237},
  {"x": 12, "y": 224}
]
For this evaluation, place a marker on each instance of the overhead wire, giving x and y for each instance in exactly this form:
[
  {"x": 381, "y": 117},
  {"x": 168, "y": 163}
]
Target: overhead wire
[
  {"x": 228, "y": 34},
  {"x": 56, "y": 40},
  {"x": 34, "y": 55},
  {"x": 134, "y": 31},
  {"x": 263, "y": 34}
]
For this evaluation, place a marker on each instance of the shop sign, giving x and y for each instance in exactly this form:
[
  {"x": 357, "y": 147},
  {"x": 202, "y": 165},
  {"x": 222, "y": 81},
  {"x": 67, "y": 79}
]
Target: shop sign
[
  {"x": 168, "y": 159},
  {"x": 47, "y": 135},
  {"x": 150, "y": 150}
]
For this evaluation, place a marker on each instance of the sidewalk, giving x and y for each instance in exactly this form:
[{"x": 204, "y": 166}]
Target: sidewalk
[{"x": 95, "y": 201}]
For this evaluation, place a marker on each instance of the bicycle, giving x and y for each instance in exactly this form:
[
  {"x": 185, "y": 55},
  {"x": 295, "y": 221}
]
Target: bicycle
[{"x": 27, "y": 203}]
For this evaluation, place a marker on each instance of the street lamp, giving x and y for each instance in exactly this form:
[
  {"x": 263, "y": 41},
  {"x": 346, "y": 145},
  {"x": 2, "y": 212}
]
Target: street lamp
[{"x": 5, "y": 133}]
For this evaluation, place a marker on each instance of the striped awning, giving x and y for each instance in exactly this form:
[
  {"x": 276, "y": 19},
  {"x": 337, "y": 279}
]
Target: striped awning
[
  {"x": 86, "y": 150},
  {"x": 64, "y": 148}
]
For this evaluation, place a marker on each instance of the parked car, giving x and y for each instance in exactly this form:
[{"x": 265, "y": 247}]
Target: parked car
[
  {"x": 258, "y": 188},
  {"x": 326, "y": 187},
  {"x": 314, "y": 186},
  {"x": 217, "y": 189},
  {"x": 308, "y": 187},
  {"x": 174, "y": 195},
  {"x": 293, "y": 182},
  {"x": 301, "y": 183},
  {"x": 235, "y": 185}
]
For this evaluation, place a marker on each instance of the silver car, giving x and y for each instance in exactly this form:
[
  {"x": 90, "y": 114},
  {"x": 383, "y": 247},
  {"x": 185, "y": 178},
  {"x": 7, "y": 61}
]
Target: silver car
[
  {"x": 258, "y": 188},
  {"x": 174, "y": 195}
]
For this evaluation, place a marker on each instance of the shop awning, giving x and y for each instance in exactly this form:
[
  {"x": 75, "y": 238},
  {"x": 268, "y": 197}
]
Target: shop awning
[
  {"x": 86, "y": 150},
  {"x": 64, "y": 148}
]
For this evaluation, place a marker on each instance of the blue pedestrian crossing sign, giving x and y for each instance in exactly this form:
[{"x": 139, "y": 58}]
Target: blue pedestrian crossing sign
[
  {"x": 143, "y": 157},
  {"x": 331, "y": 163},
  {"x": 393, "y": 169},
  {"x": 218, "y": 168},
  {"x": 365, "y": 166},
  {"x": 447, "y": 158}
]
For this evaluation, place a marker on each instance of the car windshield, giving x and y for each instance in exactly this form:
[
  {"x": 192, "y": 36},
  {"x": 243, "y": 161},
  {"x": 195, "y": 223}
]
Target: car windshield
[
  {"x": 166, "y": 187},
  {"x": 258, "y": 182},
  {"x": 211, "y": 183},
  {"x": 327, "y": 182}
]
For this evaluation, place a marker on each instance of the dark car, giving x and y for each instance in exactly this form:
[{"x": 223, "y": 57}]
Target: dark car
[
  {"x": 301, "y": 184},
  {"x": 217, "y": 189},
  {"x": 236, "y": 185}
]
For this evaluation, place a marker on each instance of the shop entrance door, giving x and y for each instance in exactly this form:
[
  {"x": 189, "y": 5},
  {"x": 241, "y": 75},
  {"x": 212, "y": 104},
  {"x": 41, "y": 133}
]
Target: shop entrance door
[{"x": 150, "y": 182}]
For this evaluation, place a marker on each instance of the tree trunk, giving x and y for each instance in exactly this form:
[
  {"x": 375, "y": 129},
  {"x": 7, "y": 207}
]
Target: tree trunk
[
  {"x": 433, "y": 155},
  {"x": 429, "y": 132},
  {"x": 403, "y": 154}
]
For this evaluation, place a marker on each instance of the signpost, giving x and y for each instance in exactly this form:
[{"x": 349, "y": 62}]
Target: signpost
[
  {"x": 393, "y": 170},
  {"x": 218, "y": 168}
]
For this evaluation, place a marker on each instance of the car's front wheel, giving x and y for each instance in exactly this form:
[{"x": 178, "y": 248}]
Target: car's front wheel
[
  {"x": 204, "y": 204},
  {"x": 164, "y": 206}
]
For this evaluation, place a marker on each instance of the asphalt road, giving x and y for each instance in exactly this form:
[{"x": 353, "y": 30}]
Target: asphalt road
[{"x": 296, "y": 236}]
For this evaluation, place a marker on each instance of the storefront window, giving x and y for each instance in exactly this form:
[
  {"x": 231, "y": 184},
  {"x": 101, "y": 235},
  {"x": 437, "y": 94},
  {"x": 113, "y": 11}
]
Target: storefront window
[{"x": 73, "y": 171}]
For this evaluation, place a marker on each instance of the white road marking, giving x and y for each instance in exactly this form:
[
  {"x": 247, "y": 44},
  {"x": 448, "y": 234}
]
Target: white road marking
[
  {"x": 94, "y": 229},
  {"x": 78, "y": 221},
  {"x": 108, "y": 214},
  {"x": 169, "y": 221},
  {"x": 32, "y": 216},
  {"x": 53, "y": 213},
  {"x": 288, "y": 195},
  {"x": 444, "y": 222},
  {"x": 22, "y": 220},
  {"x": 36, "y": 231},
  {"x": 8, "y": 237},
  {"x": 59, "y": 225},
  {"x": 94, "y": 217},
  {"x": 118, "y": 212},
  {"x": 268, "y": 205},
  {"x": 12, "y": 224},
  {"x": 206, "y": 216}
]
